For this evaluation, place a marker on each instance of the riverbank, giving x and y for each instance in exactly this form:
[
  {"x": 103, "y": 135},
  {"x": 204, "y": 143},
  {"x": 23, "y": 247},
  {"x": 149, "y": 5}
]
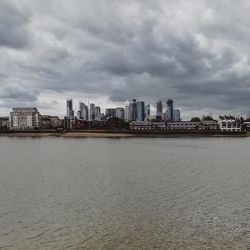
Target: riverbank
[{"x": 122, "y": 134}]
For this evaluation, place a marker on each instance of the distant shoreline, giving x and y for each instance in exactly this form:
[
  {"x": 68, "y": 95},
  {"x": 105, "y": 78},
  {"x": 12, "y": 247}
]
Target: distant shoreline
[{"x": 122, "y": 134}]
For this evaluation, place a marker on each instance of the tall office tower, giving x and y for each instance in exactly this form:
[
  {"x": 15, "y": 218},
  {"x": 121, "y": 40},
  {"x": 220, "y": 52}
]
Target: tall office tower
[
  {"x": 126, "y": 113},
  {"x": 79, "y": 115},
  {"x": 119, "y": 113},
  {"x": 102, "y": 116},
  {"x": 70, "y": 111},
  {"x": 170, "y": 110},
  {"x": 92, "y": 112},
  {"x": 110, "y": 113},
  {"x": 147, "y": 111},
  {"x": 248, "y": 115},
  {"x": 140, "y": 111},
  {"x": 84, "y": 111},
  {"x": 97, "y": 113},
  {"x": 159, "y": 110},
  {"x": 133, "y": 110},
  {"x": 177, "y": 115}
]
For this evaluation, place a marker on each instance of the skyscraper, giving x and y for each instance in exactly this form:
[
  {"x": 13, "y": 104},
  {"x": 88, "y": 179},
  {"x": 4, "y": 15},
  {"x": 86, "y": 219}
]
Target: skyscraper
[
  {"x": 97, "y": 113},
  {"x": 84, "y": 111},
  {"x": 159, "y": 110},
  {"x": 170, "y": 110},
  {"x": 177, "y": 115},
  {"x": 92, "y": 112},
  {"x": 109, "y": 113},
  {"x": 140, "y": 111},
  {"x": 119, "y": 113},
  {"x": 70, "y": 111},
  {"x": 147, "y": 112},
  {"x": 126, "y": 113},
  {"x": 133, "y": 110}
]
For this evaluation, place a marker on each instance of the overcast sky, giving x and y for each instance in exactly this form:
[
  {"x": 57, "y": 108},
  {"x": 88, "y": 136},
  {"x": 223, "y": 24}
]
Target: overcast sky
[{"x": 109, "y": 51}]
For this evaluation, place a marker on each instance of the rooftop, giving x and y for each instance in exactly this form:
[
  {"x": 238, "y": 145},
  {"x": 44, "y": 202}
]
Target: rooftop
[{"x": 24, "y": 109}]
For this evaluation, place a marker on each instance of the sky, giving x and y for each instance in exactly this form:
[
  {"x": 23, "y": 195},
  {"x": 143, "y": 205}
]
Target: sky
[{"x": 111, "y": 51}]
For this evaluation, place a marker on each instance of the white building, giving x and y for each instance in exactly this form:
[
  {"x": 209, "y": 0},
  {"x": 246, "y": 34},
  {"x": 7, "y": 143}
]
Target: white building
[
  {"x": 230, "y": 123},
  {"x": 25, "y": 118}
]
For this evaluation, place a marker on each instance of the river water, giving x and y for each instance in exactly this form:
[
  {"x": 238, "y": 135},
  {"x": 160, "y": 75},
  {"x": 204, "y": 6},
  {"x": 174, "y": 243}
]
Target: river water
[{"x": 184, "y": 193}]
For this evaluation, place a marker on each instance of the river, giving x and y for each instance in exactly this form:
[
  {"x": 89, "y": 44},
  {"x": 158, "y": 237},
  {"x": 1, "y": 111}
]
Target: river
[{"x": 184, "y": 193}]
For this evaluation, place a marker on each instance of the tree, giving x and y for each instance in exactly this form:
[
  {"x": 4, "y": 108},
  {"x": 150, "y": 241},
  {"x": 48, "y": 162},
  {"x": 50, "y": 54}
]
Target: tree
[
  {"x": 247, "y": 120},
  {"x": 195, "y": 119},
  {"x": 207, "y": 118}
]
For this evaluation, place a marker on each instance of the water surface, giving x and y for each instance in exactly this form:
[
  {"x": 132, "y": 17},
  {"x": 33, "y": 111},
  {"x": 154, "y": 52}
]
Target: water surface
[{"x": 186, "y": 193}]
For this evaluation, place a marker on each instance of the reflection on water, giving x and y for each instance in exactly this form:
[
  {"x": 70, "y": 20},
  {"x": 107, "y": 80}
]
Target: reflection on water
[{"x": 124, "y": 194}]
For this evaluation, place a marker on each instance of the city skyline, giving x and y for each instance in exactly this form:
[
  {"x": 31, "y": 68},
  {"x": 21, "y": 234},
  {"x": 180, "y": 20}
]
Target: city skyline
[{"x": 184, "y": 50}]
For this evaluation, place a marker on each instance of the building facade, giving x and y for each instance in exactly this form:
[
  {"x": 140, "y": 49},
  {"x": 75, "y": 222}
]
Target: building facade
[
  {"x": 230, "y": 124},
  {"x": 4, "y": 123},
  {"x": 188, "y": 125},
  {"x": 25, "y": 119}
]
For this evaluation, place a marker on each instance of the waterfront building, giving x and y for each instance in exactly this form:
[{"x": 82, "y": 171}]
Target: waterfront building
[
  {"x": 247, "y": 125},
  {"x": 4, "y": 123},
  {"x": 50, "y": 122},
  {"x": 119, "y": 113},
  {"x": 92, "y": 112},
  {"x": 110, "y": 113},
  {"x": 140, "y": 111},
  {"x": 230, "y": 123},
  {"x": 55, "y": 121},
  {"x": 133, "y": 110},
  {"x": 69, "y": 122},
  {"x": 147, "y": 125},
  {"x": 189, "y": 125},
  {"x": 70, "y": 111},
  {"x": 24, "y": 119}
]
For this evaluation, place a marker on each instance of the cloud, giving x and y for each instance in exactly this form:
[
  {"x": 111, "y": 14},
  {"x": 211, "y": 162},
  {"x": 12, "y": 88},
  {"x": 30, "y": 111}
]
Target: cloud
[
  {"x": 13, "y": 21},
  {"x": 194, "y": 52}
]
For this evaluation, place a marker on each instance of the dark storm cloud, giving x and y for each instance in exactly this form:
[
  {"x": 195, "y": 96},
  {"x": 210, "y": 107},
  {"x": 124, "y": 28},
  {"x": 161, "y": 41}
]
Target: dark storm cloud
[
  {"x": 13, "y": 21},
  {"x": 194, "y": 52},
  {"x": 18, "y": 93},
  {"x": 18, "y": 96}
]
